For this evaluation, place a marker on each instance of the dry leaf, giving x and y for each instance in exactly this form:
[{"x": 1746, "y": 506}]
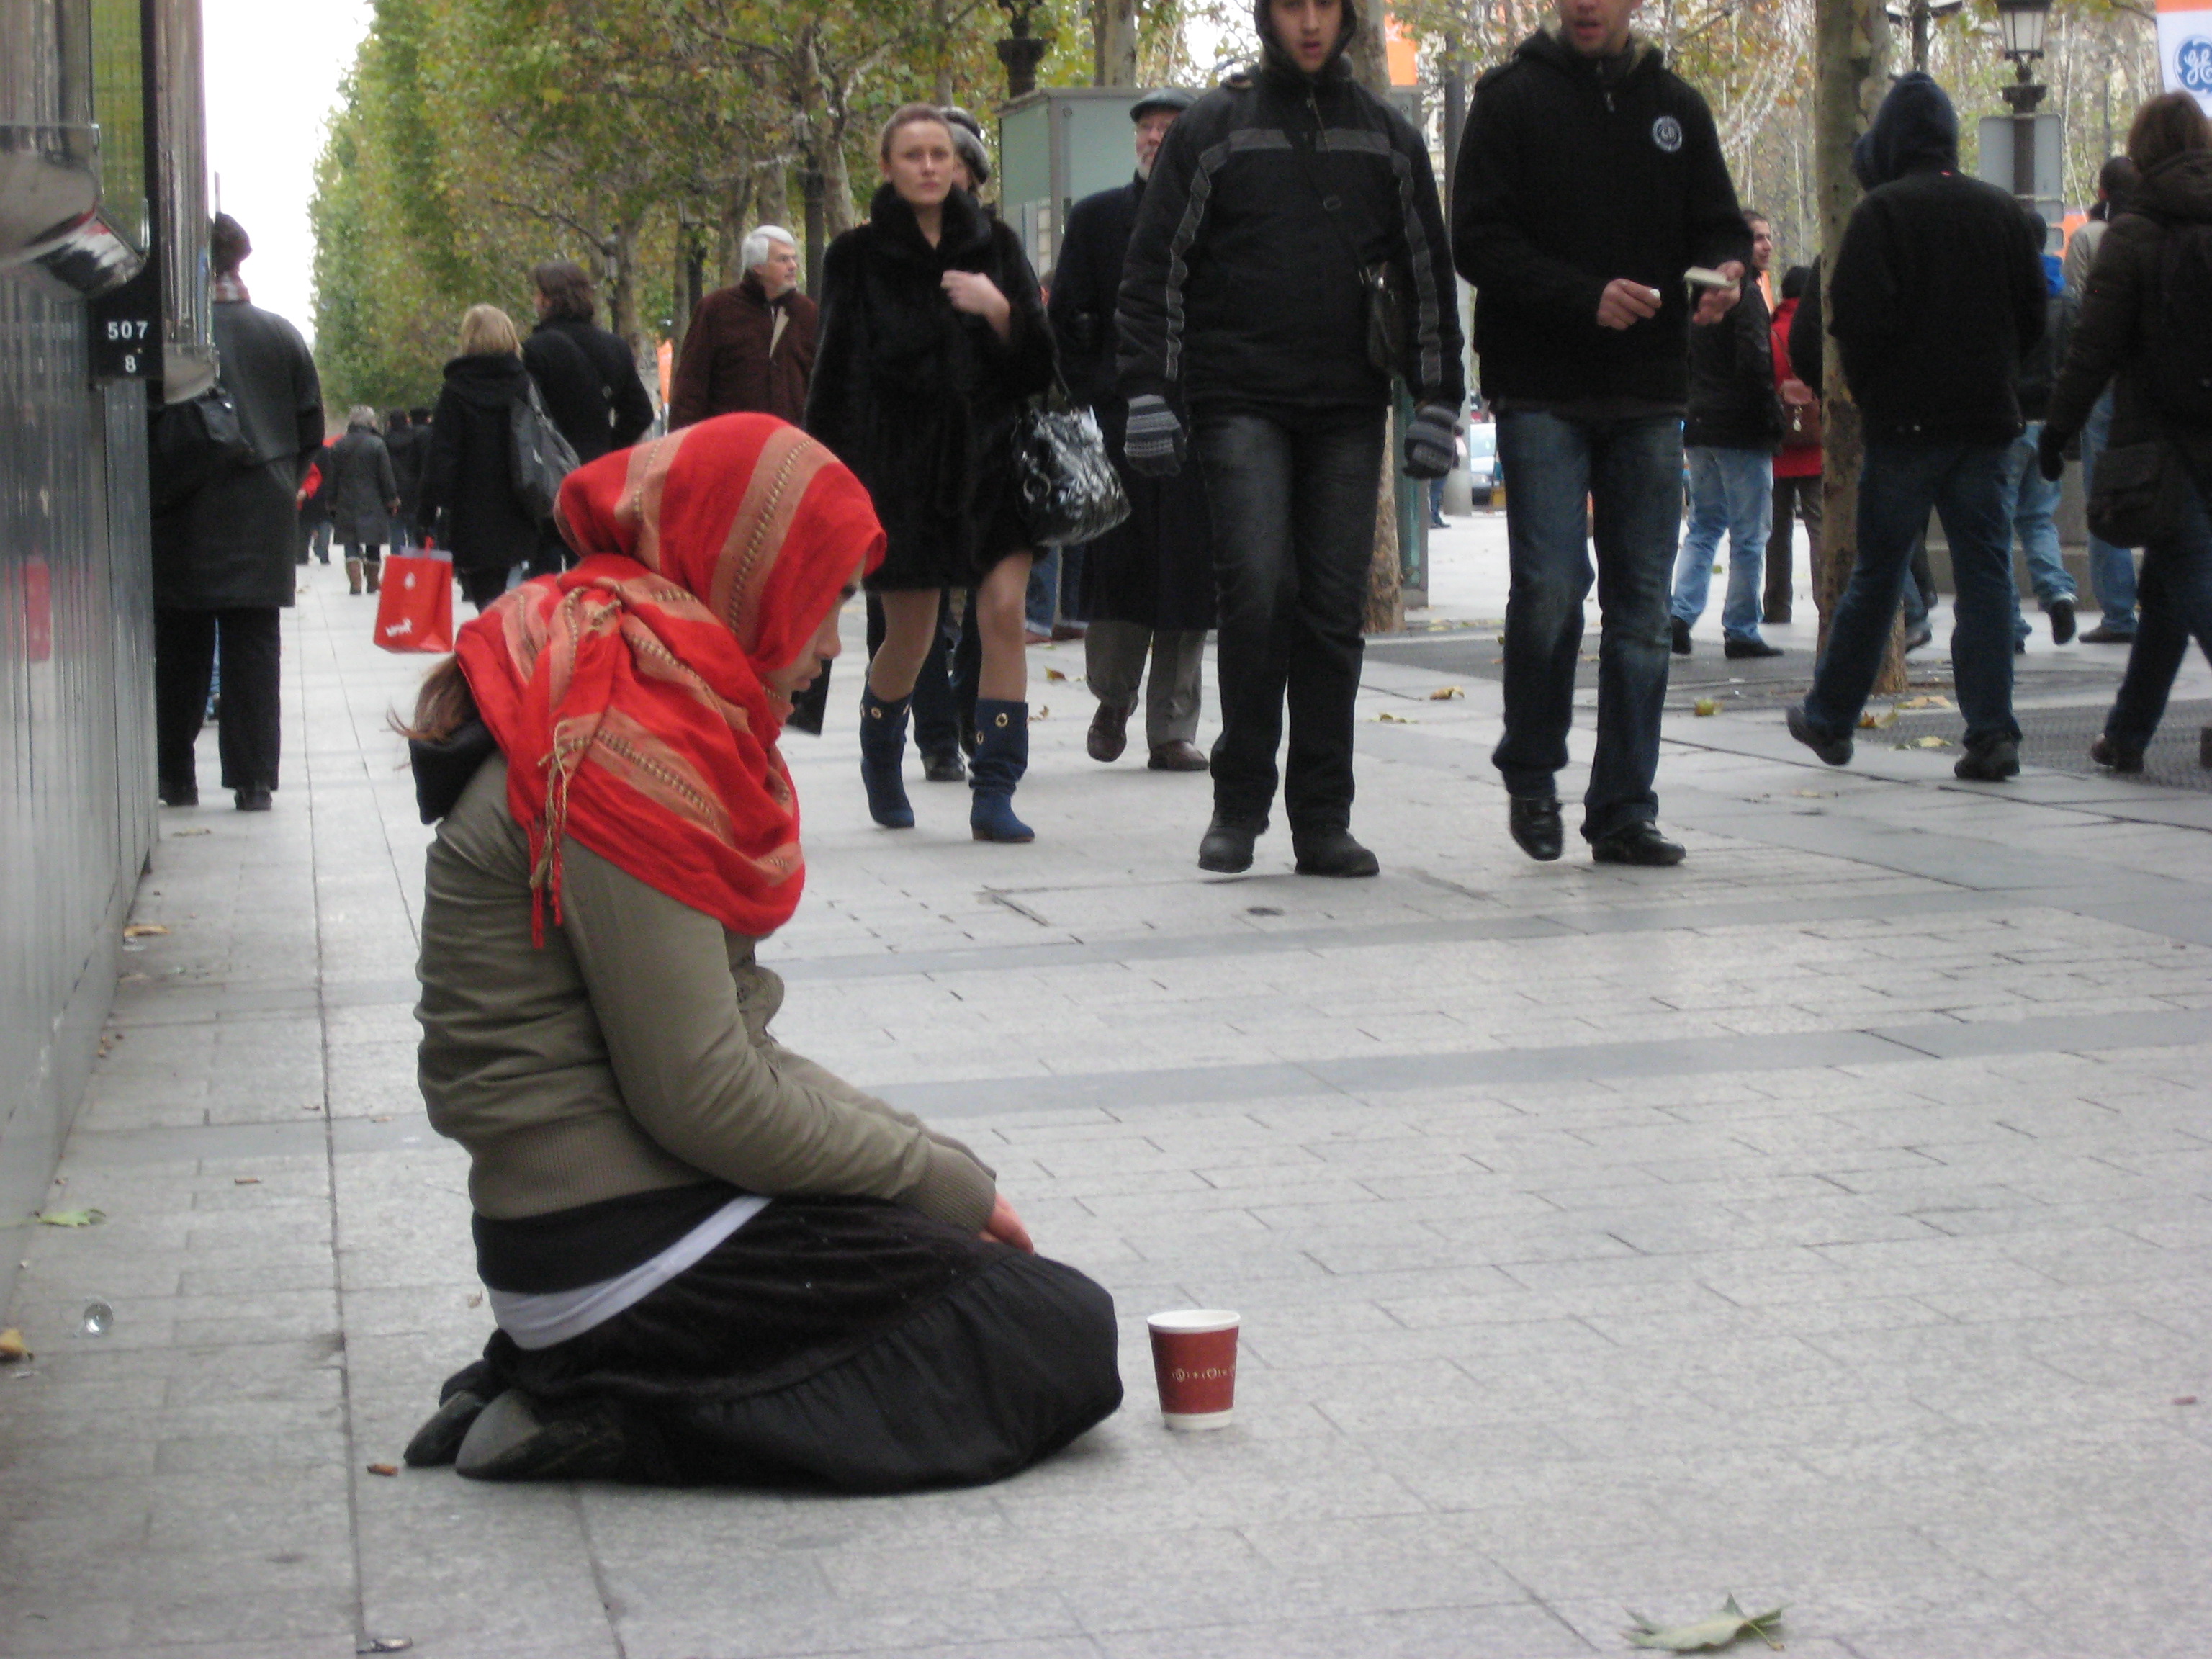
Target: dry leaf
[
  {"x": 1871, "y": 721},
  {"x": 245, "y": 1181},
  {"x": 180, "y": 833},
  {"x": 1704, "y": 706},
  {"x": 1814, "y": 794},
  {"x": 1725, "y": 1627},
  {"x": 1390, "y": 719},
  {"x": 1589, "y": 656},
  {"x": 1445, "y": 694},
  {"x": 1930, "y": 741},
  {"x": 69, "y": 1217},
  {"x": 12, "y": 1346},
  {"x": 384, "y": 1469},
  {"x": 1043, "y": 714},
  {"x": 1053, "y": 674},
  {"x": 1926, "y": 703},
  {"x": 143, "y": 930},
  {"x": 475, "y": 1299}
]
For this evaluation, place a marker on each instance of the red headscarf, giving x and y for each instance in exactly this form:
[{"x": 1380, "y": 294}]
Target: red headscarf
[{"x": 627, "y": 694}]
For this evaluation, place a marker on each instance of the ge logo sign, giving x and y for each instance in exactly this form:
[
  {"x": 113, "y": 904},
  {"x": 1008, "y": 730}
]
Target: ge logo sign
[{"x": 2192, "y": 65}]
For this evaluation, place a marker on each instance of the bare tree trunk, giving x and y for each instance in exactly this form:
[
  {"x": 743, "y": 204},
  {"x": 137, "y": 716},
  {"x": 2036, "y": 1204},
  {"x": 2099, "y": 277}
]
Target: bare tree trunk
[
  {"x": 1386, "y": 598},
  {"x": 734, "y": 210},
  {"x": 1850, "y": 50},
  {"x": 622, "y": 284},
  {"x": 940, "y": 42},
  {"x": 1117, "y": 43}
]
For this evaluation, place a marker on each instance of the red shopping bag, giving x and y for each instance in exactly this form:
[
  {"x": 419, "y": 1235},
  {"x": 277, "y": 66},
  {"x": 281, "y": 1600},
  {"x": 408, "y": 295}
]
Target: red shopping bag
[{"x": 414, "y": 605}]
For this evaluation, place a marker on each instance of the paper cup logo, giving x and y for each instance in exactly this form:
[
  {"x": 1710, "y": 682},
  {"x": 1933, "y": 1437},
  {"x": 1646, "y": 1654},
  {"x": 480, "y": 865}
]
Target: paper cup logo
[
  {"x": 2192, "y": 65},
  {"x": 1667, "y": 133}
]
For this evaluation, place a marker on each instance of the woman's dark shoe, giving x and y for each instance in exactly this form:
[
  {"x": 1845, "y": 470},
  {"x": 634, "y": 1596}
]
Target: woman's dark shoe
[
  {"x": 513, "y": 1439},
  {"x": 1638, "y": 843},
  {"x": 1534, "y": 822},
  {"x": 1002, "y": 756},
  {"x": 1227, "y": 848},
  {"x": 945, "y": 766},
  {"x": 882, "y": 748},
  {"x": 1332, "y": 853},
  {"x": 2116, "y": 756}
]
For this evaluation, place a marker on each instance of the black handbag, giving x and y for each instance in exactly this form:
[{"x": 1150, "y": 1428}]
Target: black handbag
[
  {"x": 2135, "y": 494},
  {"x": 1067, "y": 490},
  {"x": 194, "y": 443},
  {"x": 538, "y": 457}
]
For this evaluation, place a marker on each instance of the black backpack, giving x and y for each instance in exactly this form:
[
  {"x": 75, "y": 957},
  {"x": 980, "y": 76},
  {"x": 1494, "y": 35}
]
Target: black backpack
[{"x": 2178, "y": 374}]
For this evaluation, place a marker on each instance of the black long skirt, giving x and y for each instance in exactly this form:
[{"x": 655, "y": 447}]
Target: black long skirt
[{"x": 842, "y": 1341}]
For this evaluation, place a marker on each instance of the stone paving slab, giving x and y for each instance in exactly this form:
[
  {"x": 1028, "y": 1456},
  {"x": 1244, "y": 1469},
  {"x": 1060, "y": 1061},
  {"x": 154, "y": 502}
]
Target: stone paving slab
[{"x": 1829, "y": 1220}]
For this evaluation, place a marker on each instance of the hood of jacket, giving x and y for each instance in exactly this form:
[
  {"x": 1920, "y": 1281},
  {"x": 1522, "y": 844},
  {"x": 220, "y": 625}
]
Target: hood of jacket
[
  {"x": 1915, "y": 131},
  {"x": 1273, "y": 60},
  {"x": 2179, "y": 187},
  {"x": 489, "y": 379},
  {"x": 1639, "y": 56}
]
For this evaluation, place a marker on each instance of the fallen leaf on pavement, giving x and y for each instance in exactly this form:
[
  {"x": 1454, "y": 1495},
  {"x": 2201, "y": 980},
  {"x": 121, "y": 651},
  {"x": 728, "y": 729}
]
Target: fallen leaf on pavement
[
  {"x": 1704, "y": 706},
  {"x": 1053, "y": 674},
  {"x": 1043, "y": 714},
  {"x": 1814, "y": 794},
  {"x": 143, "y": 930},
  {"x": 384, "y": 1469},
  {"x": 475, "y": 1299},
  {"x": 1445, "y": 694},
  {"x": 1871, "y": 721},
  {"x": 1930, "y": 742},
  {"x": 1390, "y": 719},
  {"x": 12, "y": 1346},
  {"x": 187, "y": 832},
  {"x": 1925, "y": 702},
  {"x": 69, "y": 1217},
  {"x": 1725, "y": 1627}
]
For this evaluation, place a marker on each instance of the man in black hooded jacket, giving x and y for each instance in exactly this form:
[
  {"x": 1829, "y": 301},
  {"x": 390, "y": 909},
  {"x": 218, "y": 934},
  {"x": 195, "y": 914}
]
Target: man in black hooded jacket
[
  {"x": 1245, "y": 296},
  {"x": 1590, "y": 180},
  {"x": 1937, "y": 294}
]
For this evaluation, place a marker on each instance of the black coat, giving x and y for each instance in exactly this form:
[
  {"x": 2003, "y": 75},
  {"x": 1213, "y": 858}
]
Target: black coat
[
  {"x": 1733, "y": 402},
  {"x": 406, "y": 446},
  {"x": 919, "y": 399},
  {"x": 1938, "y": 290},
  {"x": 1566, "y": 183},
  {"x": 358, "y": 483},
  {"x": 1269, "y": 196},
  {"x": 589, "y": 384},
  {"x": 1155, "y": 567},
  {"x": 232, "y": 544},
  {"x": 467, "y": 470}
]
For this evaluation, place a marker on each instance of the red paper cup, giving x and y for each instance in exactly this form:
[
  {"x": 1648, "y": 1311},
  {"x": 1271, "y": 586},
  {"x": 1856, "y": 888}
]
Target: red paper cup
[{"x": 1195, "y": 1358}]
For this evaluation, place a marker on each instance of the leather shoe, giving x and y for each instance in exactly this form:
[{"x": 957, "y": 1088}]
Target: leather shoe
[
  {"x": 252, "y": 801},
  {"x": 1681, "y": 637},
  {"x": 943, "y": 766},
  {"x": 1639, "y": 842},
  {"x": 180, "y": 794},
  {"x": 1110, "y": 732},
  {"x": 1534, "y": 822},
  {"x": 1227, "y": 848},
  {"x": 2105, "y": 633},
  {"x": 1332, "y": 853},
  {"x": 1833, "y": 747},
  {"x": 2115, "y": 757},
  {"x": 1989, "y": 761},
  {"x": 1734, "y": 649},
  {"x": 1177, "y": 757}
]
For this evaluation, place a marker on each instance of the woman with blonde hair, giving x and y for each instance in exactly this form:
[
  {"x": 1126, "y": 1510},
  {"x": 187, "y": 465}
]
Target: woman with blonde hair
[
  {"x": 932, "y": 334},
  {"x": 709, "y": 1258},
  {"x": 467, "y": 474}
]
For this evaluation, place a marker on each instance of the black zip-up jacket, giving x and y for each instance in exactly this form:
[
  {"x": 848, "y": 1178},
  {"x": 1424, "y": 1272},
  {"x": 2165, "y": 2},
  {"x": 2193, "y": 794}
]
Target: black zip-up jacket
[
  {"x": 1570, "y": 177},
  {"x": 589, "y": 384},
  {"x": 1938, "y": 289},
  {"x": 1269, "y": 196},
  {"x": 1733, "y": 402}
]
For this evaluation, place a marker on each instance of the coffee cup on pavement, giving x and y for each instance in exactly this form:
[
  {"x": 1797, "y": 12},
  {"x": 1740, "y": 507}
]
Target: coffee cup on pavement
[{"x": 1194, "y": 1359}]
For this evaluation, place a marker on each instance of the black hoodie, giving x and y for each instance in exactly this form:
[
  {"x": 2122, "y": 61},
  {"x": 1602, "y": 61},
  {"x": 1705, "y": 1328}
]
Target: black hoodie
[
  {"x": 1573, "y": 173},
  {"x": 1938, "y": 290},
  {"x": 1269, "y": 196},
  {"x": 466, "y": 470}
]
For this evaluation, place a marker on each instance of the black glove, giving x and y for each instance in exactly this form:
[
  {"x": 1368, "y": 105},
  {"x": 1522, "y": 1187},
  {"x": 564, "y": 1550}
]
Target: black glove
[
  {"x": 2051, "y": 454},
  {"x": 1153, "y": 440},
  {"x": 1429, "y": 449}
]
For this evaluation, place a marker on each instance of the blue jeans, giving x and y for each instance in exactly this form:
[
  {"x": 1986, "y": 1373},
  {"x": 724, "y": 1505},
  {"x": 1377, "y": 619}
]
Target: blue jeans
[
  {"x": 1631, "y": 473},
  {"x": 2176, "y": 592},
  {"x": 2111, "y": 569},
  {"x": 1293, "y": 496},
  {"x": 1898, "y": 483},
  {"x": 2034, "y": 501},
  {"x": 1730, "y": 490}
]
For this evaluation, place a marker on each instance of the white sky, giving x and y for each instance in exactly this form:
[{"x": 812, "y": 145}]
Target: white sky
[{"x": 273, "y": 68}]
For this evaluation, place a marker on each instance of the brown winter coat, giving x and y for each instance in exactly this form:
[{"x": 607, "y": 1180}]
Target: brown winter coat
[{"x": 735, "y": 362}]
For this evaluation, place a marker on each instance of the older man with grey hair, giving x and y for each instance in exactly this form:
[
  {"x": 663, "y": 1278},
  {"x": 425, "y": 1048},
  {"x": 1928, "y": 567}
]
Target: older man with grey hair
[{"x": 750, "y": 347}]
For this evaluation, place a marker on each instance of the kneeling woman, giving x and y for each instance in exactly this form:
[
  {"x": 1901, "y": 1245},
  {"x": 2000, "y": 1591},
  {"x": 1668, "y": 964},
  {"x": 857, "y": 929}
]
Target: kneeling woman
[
  {"x": 932, "y": 333},
  {"x": 710, "y": 1259}
]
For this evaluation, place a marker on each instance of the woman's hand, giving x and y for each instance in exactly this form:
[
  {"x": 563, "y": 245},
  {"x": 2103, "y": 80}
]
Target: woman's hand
[
  {"x": 1004, "y": 1227},
  {"x": 978, "y": 295}
]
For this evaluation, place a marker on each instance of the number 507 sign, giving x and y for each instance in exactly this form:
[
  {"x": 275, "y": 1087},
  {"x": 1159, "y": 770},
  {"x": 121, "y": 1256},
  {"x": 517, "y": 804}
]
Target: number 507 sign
[{"x": 2184, "y": 48}]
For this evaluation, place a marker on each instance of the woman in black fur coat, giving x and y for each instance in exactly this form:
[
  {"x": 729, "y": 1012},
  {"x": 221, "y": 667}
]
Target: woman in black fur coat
[{"x": 932, "y": 335}]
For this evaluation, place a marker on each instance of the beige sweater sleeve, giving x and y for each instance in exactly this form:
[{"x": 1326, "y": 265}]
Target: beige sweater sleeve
[{"x": 692, "y": 1076}]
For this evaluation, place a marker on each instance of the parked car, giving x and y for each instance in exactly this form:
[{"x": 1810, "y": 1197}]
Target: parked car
[{"x": 1485, "y": 477}]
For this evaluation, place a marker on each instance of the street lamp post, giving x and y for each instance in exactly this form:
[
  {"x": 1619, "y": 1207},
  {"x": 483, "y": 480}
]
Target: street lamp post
[
  {"x": 1021, "y": 51},
  {"x": 2020, "y": 25}
]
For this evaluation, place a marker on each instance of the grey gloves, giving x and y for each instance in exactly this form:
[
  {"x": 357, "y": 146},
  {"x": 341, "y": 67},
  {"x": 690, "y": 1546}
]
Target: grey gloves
[
  {"x": 1429, "y": 448},
  {"x": 1154, "y": 442}
]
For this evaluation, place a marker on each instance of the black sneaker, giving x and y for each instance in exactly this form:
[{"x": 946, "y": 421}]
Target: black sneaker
[
  {"x": 2061, "y": 622},
  {"x": 1227, "y": 849},
  {"x": 1992, "y": 760},
  {"x": 1638, "y": 843},
  {"x": 1835, "y": 748},
  {"x": 1534, "y": 822},
  {"x": 1681, "y": 646}
]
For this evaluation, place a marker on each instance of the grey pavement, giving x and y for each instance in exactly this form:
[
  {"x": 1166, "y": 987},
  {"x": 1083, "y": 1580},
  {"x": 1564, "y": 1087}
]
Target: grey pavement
[{"x": 1825, "y": 1221}]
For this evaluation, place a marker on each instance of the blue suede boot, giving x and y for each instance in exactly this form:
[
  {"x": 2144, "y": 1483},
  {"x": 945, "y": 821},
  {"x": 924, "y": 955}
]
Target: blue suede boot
[
  {"x": 1002, "y": 755},
  {"x": 883, "y": 747}
]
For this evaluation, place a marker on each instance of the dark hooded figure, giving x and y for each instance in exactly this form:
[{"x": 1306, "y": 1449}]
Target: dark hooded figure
[
  {"x": 1937, "y": 293},
  {"x": 1277, "y": 202}
]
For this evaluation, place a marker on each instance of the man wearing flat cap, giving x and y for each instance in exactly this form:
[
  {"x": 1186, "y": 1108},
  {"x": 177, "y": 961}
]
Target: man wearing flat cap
[{"x": 1148, "y": 583}]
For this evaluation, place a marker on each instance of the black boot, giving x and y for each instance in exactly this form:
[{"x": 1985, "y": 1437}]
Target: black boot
[
  {"x": 1002, "y": 756},
  {"x": 883, "y": 746}
]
